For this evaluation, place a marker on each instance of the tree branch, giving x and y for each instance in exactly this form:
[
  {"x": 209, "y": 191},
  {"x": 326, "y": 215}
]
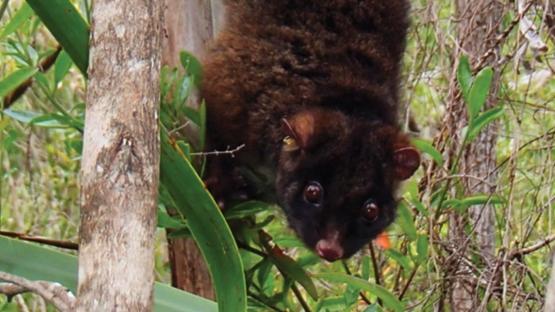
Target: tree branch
[
  {"x": 526, "y": 250},
  {"x": 54, "y": 293},
  {"x": 42, "y": 240}
]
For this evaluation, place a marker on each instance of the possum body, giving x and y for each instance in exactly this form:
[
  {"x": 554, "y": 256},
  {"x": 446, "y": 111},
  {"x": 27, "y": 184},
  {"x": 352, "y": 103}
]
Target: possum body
[{"x": 311, "y": 87}]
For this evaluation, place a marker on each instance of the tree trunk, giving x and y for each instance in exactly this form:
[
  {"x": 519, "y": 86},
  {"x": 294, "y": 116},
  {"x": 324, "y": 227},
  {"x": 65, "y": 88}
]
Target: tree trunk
[
  {"x": 189, "y": 25},
  {"x": 549, "y": 305},
  {"x": 120, "y": 165},
  {"x": 477, "y": 32}
]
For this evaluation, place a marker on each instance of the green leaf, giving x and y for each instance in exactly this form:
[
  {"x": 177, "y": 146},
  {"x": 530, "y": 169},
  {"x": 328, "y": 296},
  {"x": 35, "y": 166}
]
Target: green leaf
[
  {"x": 389, "y": 300},
  {"x": 62, "y": 66},
  {"x": 183, "y": 232},
  {"x": 288, "y": 267},
  {"x": 427, "y": 147},
  {"x": 401, "y": 259},
  {"x": 246, "y": 209},
  {"x": 21, "y": 258},
  {"x": 192, "y": 114},
  {"x": 202, "y": 125},
  {"x": 332, "y": 304},
  {"x": 481, "y": 200},
  {"x": 192, "y": 66},
  {"x": 22, "y": 116},
  {"x": 372, "y": 308},
  {"x": 288, "y": 241},
  {"x": 63, "y": 120},
  {"x": 68, "y": 27},
  {"x": 419, "y": 206},
  {"x": 264, "y": 271},
  {"x": 405, "y": 221},
  {"x": 365, "y": 267},
  {"x": 422, "y": 248},
  {"x": 481, "y": 121},
  {"x": 169, "y": 299},
  {"x": 464, "y": 76},
  {"x": 479, "y": 92},
  {"x": 167, "y": 221},
  {"x": 207, "y": 225},
  {"x": 20, "y": 17},
  {"x": 32, "y": 118},
  {"x": 15, "y": 79},
  {"x": 462, "y": 204}
]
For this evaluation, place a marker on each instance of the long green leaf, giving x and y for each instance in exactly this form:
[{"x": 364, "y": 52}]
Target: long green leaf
[
  {"x": 389, "y": 300},
  {"x": 68, "y": 27},
  {"x": 22, "y": 15},
  {"x": 422, "y": 248},
  {"x": 464, "y": 76},
  {"x": 207, "y": 226},
  {"x": 481, "y": 121},
  {"x": 293, "y": 270},
  {"x": 428, "y": 148},
  {"x": 20, "y": 258},
  {"x": 62, "y": 66},
  {"x": 15, "y": 79},
  {"x": 406, "y": 221},
  {"x": 479, "y": 92}
]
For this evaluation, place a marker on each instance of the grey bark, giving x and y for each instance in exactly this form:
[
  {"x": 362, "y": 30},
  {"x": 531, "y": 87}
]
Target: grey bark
[
  {"x": 189, "y": 25},
  {"x": 120, "y": 165},
  {"x": 476, "y": 33},
  {"x": 549, "y": 305}
]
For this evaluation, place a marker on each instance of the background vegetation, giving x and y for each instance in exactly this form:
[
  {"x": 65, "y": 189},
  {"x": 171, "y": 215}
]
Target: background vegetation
[{"x": 41, "y": 132}]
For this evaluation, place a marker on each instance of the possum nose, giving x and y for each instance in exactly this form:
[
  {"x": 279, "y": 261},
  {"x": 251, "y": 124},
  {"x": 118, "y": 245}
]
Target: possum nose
[{"x": 329, "y": 249}]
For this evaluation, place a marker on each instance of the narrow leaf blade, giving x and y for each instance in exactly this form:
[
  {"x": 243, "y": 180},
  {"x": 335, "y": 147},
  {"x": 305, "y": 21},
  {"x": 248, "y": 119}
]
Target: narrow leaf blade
[
  {"x": 464, "y": 76},
  {"x": 293, "y": 270},
  {"x": 20, "y": 17},
  {"x": 389, "y": 300},
  {"x": 20, "y": 258},
  {"x": 68, "y": 27},
  {"x": 426, "y": 147},
  {"x": 481, "y": 121},
  {"x": 207, "y": 225},
  {"x": 479, "y": 92},
  {"x": 15, "y": 79}
]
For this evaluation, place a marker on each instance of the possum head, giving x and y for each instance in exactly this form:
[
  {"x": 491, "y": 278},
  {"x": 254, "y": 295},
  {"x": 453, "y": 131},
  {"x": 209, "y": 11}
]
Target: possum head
[{"x": 337, "y": 177}]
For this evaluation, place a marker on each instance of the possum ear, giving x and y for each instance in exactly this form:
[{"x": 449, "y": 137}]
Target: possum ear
[
  {"x": 299, "y": 128},
  {"x": 309, "y": 128},
  {"x": 406, "y": 160}
]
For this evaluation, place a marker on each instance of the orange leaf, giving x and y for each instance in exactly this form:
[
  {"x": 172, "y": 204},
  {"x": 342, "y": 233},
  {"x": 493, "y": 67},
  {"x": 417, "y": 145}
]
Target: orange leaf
[{"x": 383, "y": 241}]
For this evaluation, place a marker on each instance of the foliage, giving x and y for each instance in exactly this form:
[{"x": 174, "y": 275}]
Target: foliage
[
  {"x": 20, "y": 258},
  {"x": 40, "y": 135}
]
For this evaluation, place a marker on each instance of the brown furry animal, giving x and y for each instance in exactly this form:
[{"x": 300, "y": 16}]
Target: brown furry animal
[{"x": 311, "y": 87}]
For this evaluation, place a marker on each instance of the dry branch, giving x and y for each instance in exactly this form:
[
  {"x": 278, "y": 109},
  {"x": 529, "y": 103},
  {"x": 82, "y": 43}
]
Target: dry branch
[
  {"x": 54, "y": 293},
  {"x": 527, "y": 250}
]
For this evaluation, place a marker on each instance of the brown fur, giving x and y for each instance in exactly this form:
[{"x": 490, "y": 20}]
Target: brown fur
[{"x": 335, "y": 61}]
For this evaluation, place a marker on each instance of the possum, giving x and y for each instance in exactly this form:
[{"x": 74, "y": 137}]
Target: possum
[{"x": 311, "y": 88}]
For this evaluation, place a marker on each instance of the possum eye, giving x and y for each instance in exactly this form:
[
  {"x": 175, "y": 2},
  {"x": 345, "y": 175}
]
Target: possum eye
[
  {"x": 370, "y": 210},
  {"x": 313, "y": 192}
]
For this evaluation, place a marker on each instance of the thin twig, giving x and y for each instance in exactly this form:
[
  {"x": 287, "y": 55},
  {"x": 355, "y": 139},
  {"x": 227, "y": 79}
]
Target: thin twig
[
  {"x": 183, "y": 126},
  {"x": 300, "y": 297},
  {"x": 411, "y": 277},
  {"x": 54, "y": 293},
  {"x": 526, "y": 250},
  {"x": 42, "y": 240},
  {"x": 228, "y": 151},
  {"x": 376, "y": 268}
]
